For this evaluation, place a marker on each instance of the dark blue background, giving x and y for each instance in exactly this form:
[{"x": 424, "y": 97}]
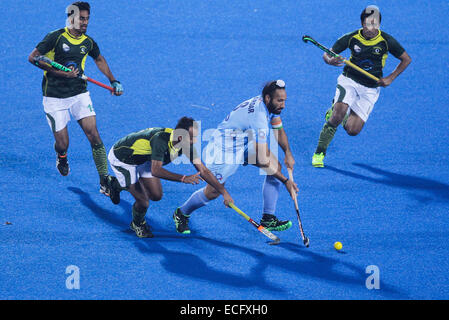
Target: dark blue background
[{"x": 384, "y": 194}]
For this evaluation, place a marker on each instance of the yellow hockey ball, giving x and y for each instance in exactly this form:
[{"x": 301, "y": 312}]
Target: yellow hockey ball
[{"x": 338, "y": 245}]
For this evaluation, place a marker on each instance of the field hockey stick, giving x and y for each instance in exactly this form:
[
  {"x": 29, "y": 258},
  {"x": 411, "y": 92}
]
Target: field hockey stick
[
  {"x": 65, "y": 69},
  {"x": 330, "y": 52},
  {"x": 270, "y": 235},
  {"x": 305, "y": 240}
]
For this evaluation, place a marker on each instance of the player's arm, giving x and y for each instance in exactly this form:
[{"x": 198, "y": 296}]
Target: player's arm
[
  {"x": 158, "y": 171},
  {"x": 42, "y": 65},
  {"x": 281, "y": 138},
  {"x": 339, "y": 46},
  {"x": 264, "y": 158},
  {"x": 103, "y": 66},
  {"x": 212, "y": 181},
  {"x": 405, "y": 61},
  {"x": 270, "y": 164},
  {"x": 333, "y": 61}
]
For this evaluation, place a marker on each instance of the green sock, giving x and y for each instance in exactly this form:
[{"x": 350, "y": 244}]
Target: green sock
[
  {"x": 99, "y": 154},
  {"x": 326, "y": 136},
  {"x": 138, "y": 217}
]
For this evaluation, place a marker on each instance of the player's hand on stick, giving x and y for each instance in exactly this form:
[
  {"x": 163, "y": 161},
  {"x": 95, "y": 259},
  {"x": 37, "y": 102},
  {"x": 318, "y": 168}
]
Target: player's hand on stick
[
  {"x": 193, "y": 179},
  {"x": 72, "y": 74},
  {"x": 334, "y": 61},
  {"x": 118, "y": 88},
  {"x": 292, "y": 188},
  {"x": 385, "y": 82},
  {"x": 227, "y": 199}
]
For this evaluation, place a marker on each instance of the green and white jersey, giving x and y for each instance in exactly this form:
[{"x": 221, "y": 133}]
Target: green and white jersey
[
  {"x": 370, "y": 54},
  {"x": 147, "y": 145},
  {"x": 67, "y": 50}
]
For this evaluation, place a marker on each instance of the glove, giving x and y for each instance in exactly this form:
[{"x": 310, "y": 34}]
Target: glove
[{"x": 118, "y": 88}]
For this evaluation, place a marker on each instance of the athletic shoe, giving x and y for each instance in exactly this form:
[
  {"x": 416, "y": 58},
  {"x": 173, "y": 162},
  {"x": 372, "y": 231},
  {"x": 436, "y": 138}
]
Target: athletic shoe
[
  {"x": 114, "y": 188},
  {"x": 329, "y": 113},
  {"x": 142, "y": 230},
  {"x": 271, "y": 223},
  {"x": 317, "y": 160},
  {"x": 104, "y": 186},
  {"x": 62, "y": 164},
  {"x": 181, "y": 222},
  {"x": 110, "y": 187}
]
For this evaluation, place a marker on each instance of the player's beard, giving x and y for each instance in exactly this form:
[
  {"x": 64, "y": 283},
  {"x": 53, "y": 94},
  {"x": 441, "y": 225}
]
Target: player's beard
[{"x": 272, "y": 109}]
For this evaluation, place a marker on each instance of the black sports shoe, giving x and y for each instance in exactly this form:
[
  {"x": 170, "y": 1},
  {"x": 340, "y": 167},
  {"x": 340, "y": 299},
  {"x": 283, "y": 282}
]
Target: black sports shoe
[
  {"x": 271, "y": 223},
  {"x": 62, "y": 164},
  {"x": 181, "y": 222},
  {"x": 114, "y": 189},
  {"x": 104, "y": 186},
  {"x": 142, "y": 230},
  {"x": 110, "y": 187}
]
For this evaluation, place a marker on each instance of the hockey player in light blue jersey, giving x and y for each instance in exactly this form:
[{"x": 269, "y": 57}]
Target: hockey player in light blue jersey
[{"x": 242, "y": 139}]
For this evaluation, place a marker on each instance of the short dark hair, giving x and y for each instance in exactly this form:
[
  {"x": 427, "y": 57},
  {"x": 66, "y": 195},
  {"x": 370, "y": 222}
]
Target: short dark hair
[
  {"x": 81, "y": 6},
  {"x": 185, "y": 123},
  {"x": 365, "y": 15},
  {"x": 270, "y": 87}
]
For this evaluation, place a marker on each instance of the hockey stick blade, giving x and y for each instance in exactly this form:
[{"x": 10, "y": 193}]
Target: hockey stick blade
[
  {"x": 307, "y": 39},
  {"x": 306, "y": 242}
]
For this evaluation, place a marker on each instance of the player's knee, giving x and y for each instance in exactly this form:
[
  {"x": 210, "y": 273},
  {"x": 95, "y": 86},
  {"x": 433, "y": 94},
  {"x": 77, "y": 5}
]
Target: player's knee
[
  {"x": 338, "y": 114},
  {"x": 337, "y": 118},
  {"x": 211, "y": 193},
  {"x": 93, "y": 136},
  {"x": 156, "y": 196},
  {"x": 352, "y": 131}
]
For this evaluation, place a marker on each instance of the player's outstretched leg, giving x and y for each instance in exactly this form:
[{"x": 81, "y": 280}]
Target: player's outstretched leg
[
  {"x": 99, "y": 156},
  {"x": 326, "y": 136},
  {"x": 334, "y": 116},
  {"x": 197, "y": 200},
  {"x": 270, "y": 193},
  {"x": 89, "y": 126}
]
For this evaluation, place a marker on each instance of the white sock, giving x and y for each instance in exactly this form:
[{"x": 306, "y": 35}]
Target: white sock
[
  {"x": 270, "y": 194},
  {"x": 197, "y": 200}
]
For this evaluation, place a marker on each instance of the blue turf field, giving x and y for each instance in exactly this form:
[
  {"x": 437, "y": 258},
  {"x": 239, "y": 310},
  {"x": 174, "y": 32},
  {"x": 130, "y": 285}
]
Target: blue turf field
[{"x": 384, "y": 194}]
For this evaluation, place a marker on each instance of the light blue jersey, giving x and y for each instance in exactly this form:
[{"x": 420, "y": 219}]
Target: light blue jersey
[
  {"x": 250, "y": 120},
  {"x": 232, "y": 143}
]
